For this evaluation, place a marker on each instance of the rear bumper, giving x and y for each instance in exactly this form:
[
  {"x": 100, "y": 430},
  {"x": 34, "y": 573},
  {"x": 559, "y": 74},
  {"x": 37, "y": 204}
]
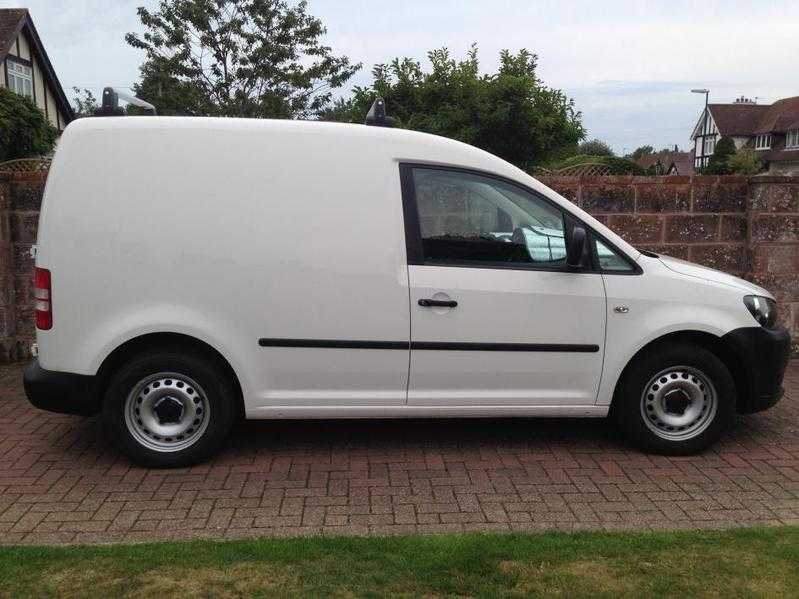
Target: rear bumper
[
  {"x": 763, "y": 355},
  {"x": 62, "y": 392}
]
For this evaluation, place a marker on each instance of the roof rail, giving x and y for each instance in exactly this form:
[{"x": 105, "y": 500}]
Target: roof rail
[
  {"x": 111, "y": 107},
  {"x": 377, "y": 114}
]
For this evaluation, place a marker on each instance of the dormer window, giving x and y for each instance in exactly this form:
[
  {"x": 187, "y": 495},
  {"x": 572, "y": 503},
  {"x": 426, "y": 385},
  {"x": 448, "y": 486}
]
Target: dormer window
[
  {"x": 763, "y": 141},
  {"x": 20, "y": 78},
  {"x": 792, "y": 139}
]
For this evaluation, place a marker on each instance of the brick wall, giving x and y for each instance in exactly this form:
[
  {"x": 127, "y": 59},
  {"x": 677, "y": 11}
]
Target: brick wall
[
  {"x": 749, "y": 228},
  {"x": 773, "y": 225},
  {"x": 701, "y": 219},
  {"x": 20, "y": 199}
]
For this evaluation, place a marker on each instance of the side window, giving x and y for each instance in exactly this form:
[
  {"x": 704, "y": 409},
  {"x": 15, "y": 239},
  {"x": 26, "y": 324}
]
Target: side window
[
  {"x": 468, "y": 218},
  {"x": 609, "y": 260}
]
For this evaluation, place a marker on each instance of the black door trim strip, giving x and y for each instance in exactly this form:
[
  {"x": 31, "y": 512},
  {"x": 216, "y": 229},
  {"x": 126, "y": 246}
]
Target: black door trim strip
[
  {"x": 333, "y": 343},
  {"x": 529, "y": 347},
  {"x": 430, "y": 345}
]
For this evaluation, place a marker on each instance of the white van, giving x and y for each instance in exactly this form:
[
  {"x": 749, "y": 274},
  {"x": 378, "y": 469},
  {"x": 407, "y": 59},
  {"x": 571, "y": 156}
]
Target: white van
[{"x": 191, "y": 271}]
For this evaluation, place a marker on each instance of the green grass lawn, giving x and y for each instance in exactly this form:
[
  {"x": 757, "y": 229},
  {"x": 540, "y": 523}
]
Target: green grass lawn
[{"x": 736, "y": 563}]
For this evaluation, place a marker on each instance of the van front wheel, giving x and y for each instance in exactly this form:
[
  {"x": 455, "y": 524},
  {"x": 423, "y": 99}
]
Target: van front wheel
[
  {"x": 168, "y": 408},
  {"x": 675, "y": 400}
]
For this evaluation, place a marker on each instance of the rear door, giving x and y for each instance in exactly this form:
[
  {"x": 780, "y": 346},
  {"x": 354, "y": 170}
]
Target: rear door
[{"x": 497, "y": 318}]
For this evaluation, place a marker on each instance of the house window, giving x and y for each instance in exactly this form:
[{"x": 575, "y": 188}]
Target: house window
[
  {"x": 20, "y": 78},
  {"x": 792, "y": 139},
  {"x": 763, "y": 141},
  {"x": 710, "y": 145}
]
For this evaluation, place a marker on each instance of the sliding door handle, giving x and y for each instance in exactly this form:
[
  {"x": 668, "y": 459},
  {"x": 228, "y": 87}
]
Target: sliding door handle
[{"x": 432, "y": 303}]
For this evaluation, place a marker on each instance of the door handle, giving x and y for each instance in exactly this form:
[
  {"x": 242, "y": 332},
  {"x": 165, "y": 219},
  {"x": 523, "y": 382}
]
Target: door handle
[{"x": 432, "y": 303}]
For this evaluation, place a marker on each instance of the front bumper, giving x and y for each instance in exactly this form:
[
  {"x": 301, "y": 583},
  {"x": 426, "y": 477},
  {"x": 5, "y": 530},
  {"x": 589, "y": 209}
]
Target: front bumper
[
  {"x": 763, "y": 355},
  {"x": 62, "y": 392}
]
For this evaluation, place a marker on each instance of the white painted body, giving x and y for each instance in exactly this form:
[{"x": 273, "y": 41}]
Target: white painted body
[{"x": 232, "y": 230}]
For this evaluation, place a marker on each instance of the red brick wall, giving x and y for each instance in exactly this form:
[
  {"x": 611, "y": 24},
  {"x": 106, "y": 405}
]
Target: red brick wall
[
  {"x": 749, "y": 228},
  {"x": 701, "y": 219},
  {"x": 20, "y": 199},
  {"x": 7, "y": 312},
  {"x": 773, "y": 224}
]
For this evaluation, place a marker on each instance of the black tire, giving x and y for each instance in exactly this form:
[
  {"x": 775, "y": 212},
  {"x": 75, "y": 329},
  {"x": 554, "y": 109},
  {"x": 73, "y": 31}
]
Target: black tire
[
  {"x": 678, "y": 361},
  {"x": 215, "y": 392}
]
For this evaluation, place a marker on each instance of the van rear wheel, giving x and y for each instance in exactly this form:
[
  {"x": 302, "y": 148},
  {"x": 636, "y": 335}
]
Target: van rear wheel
[
  {"x": 168, "y": 408},
  {"x": 675, "y": 400}
]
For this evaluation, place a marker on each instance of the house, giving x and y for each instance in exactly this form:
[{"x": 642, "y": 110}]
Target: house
[
  {"x": 26, "y": 69},
  {"x": 771, "y": 130},
  {"x": 668, "y": 162}
]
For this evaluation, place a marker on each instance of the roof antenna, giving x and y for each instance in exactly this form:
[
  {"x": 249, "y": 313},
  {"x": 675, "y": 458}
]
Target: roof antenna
[{"x": 377, "y": 114}]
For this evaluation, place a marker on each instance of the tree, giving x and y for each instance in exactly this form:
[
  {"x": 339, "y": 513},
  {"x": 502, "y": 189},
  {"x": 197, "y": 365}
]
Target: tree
[
  {"x": 169, "y": 94},
  {"x": 745, "y": 162},
  {"x": 510, "y": 113},
  {"x": 718, "y": 163},
  {"x": 641, "y": 151},
  {"x": 595, "y": 147},
  {"x": 249, "y": 58},
  {"x": 83, "y": 102},
  {"x": 24, "y": 130}
]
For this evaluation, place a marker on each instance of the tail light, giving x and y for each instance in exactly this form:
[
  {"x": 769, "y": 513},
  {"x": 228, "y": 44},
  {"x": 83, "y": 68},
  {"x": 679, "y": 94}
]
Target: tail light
[{"x": 44, "y": 299}]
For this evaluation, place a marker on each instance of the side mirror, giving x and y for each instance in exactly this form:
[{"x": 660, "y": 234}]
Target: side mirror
[{"x": 576, "y": 249}]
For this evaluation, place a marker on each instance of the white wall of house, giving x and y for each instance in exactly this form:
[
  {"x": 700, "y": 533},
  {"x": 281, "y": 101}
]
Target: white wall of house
[
  {"x": 705, "y": 130},
  {"x": 43, "y": 95}
]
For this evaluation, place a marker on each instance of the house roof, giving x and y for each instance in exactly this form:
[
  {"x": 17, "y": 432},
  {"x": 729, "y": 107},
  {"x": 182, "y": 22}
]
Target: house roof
[
  {"x": 780, "y": 116},
  {"x": 13, "y": 21},
  {"x": 745, "y": 119},
  {"x": 682, "y": 161},
  {"x": 737, "y": 119},
  {"x": 648, "y": 160},
  {"x": 779, "y": 154}
]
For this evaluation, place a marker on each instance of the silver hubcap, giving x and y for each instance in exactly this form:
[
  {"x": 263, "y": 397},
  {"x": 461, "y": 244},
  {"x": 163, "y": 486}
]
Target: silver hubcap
[
  {"x": 679, "y": 403},
  {"x": 167, "y": 412}
]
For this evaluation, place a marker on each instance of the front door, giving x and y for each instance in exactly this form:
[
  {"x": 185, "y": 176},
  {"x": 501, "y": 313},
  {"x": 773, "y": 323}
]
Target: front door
[{"x": 497, "y": 318}]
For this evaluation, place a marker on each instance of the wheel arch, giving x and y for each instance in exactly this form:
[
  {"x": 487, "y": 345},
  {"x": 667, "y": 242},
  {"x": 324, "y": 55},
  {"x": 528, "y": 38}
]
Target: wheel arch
[
  {"x": 713, "y": 343},
  {"x": 149, "y": 341}
]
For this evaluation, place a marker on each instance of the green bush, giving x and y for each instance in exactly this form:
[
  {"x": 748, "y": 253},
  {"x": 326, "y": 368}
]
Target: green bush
[
  {"x": 24, "y": 130},
  {"x": 595, "y": 147},
  {"x": 719, "y": 161},
  {"x": 618, "y": 166},
  {"x": 745, "y": 162}
]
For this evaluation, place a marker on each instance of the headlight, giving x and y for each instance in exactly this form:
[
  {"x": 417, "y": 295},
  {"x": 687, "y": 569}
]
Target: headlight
[{"x": 764, "y": 309}]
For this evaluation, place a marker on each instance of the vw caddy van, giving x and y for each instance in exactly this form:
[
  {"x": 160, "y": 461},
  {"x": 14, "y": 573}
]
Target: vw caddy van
[{"x": 193, "y": 271}]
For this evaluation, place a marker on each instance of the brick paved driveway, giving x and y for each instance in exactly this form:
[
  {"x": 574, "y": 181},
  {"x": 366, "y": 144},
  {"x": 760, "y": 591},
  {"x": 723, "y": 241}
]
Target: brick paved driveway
[{"x": 60, "y": 482}]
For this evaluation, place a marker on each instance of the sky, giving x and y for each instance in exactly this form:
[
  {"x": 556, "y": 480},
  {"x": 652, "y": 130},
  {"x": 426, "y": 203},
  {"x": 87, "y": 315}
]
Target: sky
[{"x": 628, "y": 65}]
